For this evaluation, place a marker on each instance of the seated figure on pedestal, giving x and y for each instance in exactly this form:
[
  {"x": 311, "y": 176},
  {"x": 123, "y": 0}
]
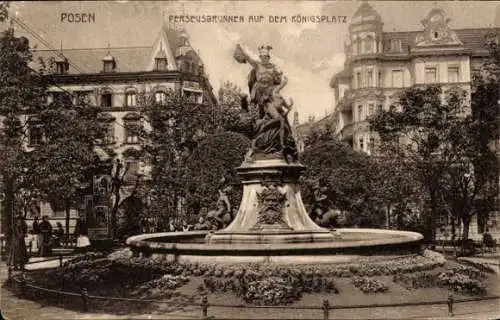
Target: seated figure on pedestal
[
  {"x": 222, "y": 216},
  {"x": 322, "y": 212}
]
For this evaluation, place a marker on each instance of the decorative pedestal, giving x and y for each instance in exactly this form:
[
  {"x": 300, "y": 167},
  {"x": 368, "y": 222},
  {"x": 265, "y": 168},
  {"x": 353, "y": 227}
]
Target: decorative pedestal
[{"x": 271, "y": 209}]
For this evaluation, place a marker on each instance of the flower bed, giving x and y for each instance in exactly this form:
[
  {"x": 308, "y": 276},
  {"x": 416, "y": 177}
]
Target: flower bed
[
  {"x": 416, "y": 280},
  {"x": 369, "y": 285},
  {"x": 461, "y": 283},
  {"x": 460, "y": 279},
  {"x": 254, "y": 288}
]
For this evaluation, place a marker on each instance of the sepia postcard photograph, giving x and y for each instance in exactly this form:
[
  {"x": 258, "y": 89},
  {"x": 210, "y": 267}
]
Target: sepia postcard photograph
[{"x": 259, "y": 159}]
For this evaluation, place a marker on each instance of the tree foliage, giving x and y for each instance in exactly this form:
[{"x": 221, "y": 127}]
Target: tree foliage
[
  {"x": 55, "y": 168},
  {"x": 66, "y": 154},
  {"x": 229, "y": 106},
  {"x": 174, "y": 129},
  {"x": 215, "y": 158},
  {"x": 347, "y": 175},
  {"x": 20, "y": 88},
  {"x": 4, "y": 10},
  {"x": 431, "y": 132}
]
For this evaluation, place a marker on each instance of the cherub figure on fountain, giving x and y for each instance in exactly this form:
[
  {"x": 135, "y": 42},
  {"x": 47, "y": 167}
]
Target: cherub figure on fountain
[
  {"x": 222, "y": 215},
  {"x": 268, "y": 110},
  {"x": 322, "y": 211}
]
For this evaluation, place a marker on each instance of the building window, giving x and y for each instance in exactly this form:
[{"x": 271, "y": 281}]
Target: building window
[
  {"x": 161, "y": 64},
  {"x": 361, "y": 144},
  {"x": 372, "y": 143},
  {"x": 368, "y": 45},
  {"x": 160, "y": 97},
  {"x": 369, "y": 79},
  {"x": 35, "y": 133},
  {"x": 379, "y": 79},
  {"x": 62, "y": 67},
  {"x": 395, "y": 46},
  {"x": 371, "y": 108},
  {"x": 131, "y": 98},
  {"x": 109, "y": 64},
  {"x": 81, "y": 97},
  {"x": 132, "y": 167},
  {"x": 132, "y": 128},
  {"x": 360, "y": 112},
  {"x": 358, "y": 46},
  {"x": 107, "y": 99},
  {"x": 453, "y": 74},
  {"x": 397, "y": 78},
  {"x": 430, "y": 75},
  {"x": 379, "y": 108},
  {"x": 109, "y": 135},
  {"x": 359, "y": 83}
]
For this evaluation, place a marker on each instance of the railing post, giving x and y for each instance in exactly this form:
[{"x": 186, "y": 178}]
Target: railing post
[
  {"x": 326, "y": 309},
  {"x": 9, "y": 274},
  {"x": 85, "y": 299},
  {"x": 450, "y": 304},
  {"x": 23, "y": 284},
  {"x": 60, "y": 260},
  {"x": 204, "y": 307}
]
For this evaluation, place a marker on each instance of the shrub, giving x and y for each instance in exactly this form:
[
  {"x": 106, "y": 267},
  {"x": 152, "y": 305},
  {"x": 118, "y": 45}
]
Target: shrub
[
  {"x": 461, "y": 283},
  {"x": 369, "y": 285},
  {"x": 417, "y": 280},
  {"x": 270, "y": 291}
]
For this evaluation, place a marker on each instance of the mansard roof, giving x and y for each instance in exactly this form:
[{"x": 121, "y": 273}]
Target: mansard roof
[{"x": 128, "y": 59}]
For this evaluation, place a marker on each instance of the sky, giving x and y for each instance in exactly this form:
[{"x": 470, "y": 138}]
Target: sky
[{"x": 308, "y": 53}]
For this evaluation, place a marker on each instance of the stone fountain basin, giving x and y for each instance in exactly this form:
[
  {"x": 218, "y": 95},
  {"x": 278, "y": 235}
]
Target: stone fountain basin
[{"x": 190, "y": 247}]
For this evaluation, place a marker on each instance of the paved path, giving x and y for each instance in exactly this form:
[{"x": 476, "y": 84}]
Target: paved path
[{"x": 15, "y": 308}]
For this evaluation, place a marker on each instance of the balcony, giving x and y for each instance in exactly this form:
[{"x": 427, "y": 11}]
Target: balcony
[
  {"x": 352, "y": 128},
  {"x": 345, "y": 104}
]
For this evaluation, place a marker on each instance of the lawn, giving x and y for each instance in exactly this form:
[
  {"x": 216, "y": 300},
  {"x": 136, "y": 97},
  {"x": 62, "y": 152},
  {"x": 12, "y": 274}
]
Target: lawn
[{"x": 180, "y": 290}]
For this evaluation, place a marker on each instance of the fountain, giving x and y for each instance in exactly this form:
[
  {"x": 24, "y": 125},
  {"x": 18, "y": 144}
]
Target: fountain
[{"x": 272, "y": 224}]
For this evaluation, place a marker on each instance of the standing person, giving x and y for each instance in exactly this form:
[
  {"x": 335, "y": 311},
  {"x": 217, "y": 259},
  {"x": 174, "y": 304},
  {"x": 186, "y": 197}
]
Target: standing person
[
  {"x": 59, "y": 234},
  {"x": 37, "y": 233},
  {"x": 46, "y": 232},
  {"x": 81, "y": 233},
  {"x": 19, "y": 255}
]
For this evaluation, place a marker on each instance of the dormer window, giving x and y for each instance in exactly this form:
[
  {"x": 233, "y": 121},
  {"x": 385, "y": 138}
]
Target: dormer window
[
  {"x": 109, "y": 63},
  {"x": 62, "y": 65},
  {"x": 161, "y": 64},
  {"x": 161, "y": 60}
]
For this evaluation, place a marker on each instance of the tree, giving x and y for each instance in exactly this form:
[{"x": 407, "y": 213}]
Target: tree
[
  {"x": 484, "y": 127},
  {"x": 433, "y": 137},
  {"x": 215, "y": 157},
  {"x": 394, "y": 187},
  {"x": 346, "y": 174},
  {"x": 175, "y": 127},
  {"x": 66, "y": 153},
  {"x": 230, "y": 96},
  {"x": 416, "y": 130},
  {"x": 20, "y": 89},
  {"x": 4, "y": 12}
]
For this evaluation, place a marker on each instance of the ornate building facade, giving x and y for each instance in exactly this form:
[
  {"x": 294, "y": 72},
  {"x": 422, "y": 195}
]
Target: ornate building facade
[
  {"x": 114, "y": 79},
  {"x": 381, "y": 64}
]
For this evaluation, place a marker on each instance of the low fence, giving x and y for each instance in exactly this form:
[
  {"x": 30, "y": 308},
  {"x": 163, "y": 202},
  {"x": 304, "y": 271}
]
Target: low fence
[{"x": 325, "y": 310}]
